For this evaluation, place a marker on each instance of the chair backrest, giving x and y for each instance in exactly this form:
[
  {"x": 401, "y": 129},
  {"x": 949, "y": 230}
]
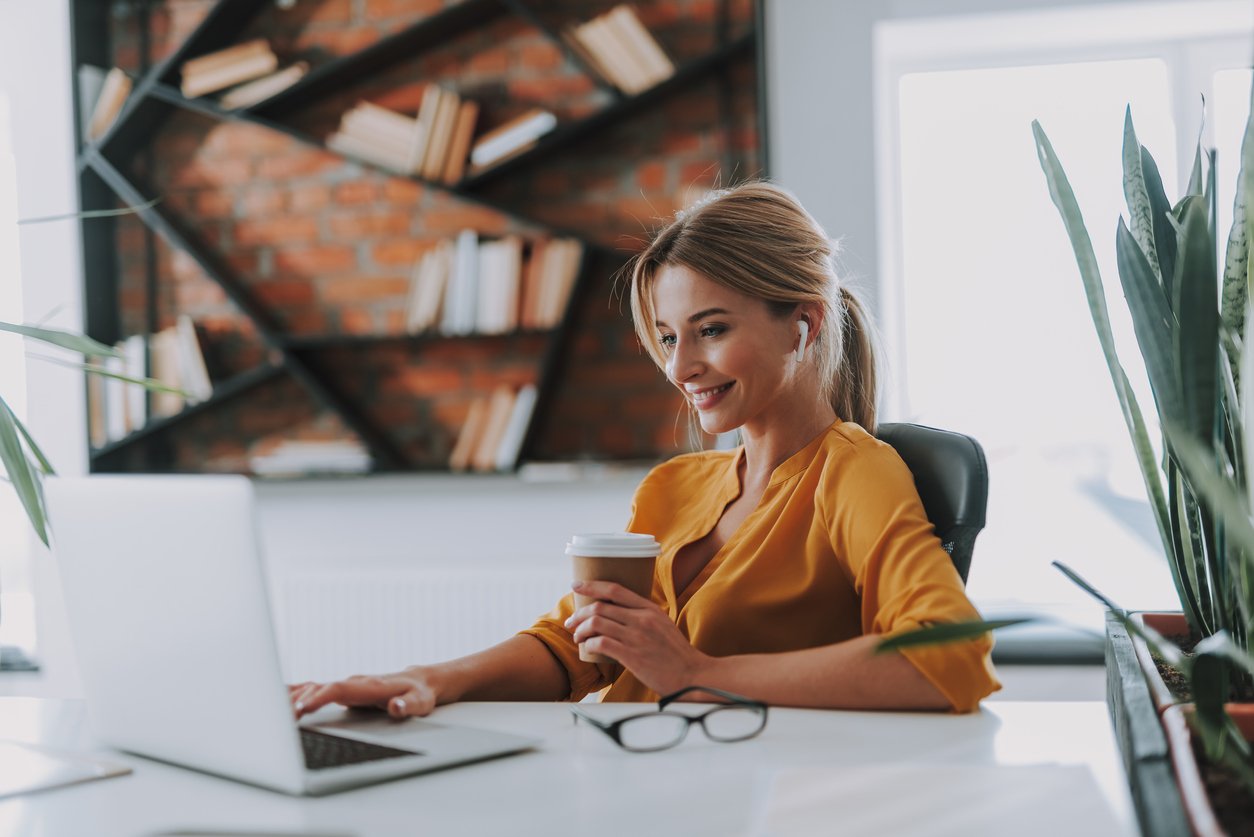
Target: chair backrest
[{"x": 951, "y": 475}]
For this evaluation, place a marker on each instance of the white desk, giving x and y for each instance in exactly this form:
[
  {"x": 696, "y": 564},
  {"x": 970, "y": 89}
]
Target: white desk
[{"x": 578, "y": 782}]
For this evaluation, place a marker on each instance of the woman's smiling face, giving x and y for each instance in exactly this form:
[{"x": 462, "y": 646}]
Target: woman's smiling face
[{"x": 730, "y": 356}]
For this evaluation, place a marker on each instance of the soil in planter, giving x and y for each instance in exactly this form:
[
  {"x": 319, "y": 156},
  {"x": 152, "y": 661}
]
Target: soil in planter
[
  {"x": 1175, "y": 681},
  {"x": 1230, "y": 799}
]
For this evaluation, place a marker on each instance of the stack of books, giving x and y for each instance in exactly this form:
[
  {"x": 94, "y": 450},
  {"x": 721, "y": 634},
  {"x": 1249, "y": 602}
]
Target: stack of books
[
  {"x": 491, "y": 437},
  {"x": 618, "y": 47},
  {"x": 433, "y": 145},
  {"x": 175, "y": 358},
  {"x": 291, "y": 458},
  {"x": 251, "y": 68},
  {"x": 470, "y": 286}
]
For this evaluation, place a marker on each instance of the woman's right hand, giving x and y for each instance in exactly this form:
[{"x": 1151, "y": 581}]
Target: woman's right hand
[{"x": 409, "y": 692}]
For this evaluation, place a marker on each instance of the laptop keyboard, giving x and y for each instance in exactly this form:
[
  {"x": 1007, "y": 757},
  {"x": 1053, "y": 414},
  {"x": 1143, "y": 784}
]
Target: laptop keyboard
[{"x": 323, "y": 751}]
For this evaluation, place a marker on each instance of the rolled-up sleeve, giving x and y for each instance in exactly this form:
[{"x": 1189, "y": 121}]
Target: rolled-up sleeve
[
  {"x": 904, "y": 578},
  {"x": 551, "y": 630}
]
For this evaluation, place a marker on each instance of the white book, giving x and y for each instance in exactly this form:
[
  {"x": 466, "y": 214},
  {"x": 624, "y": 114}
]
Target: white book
[
  {"x": 192, "y": 370},
  {"x": 116, "y": 425},
  {"x": 136, "y": 349},
  {"x": 461, "y": 298},
  {"x": 516, "y": 429},
  {"x": 498, "y": 144},
  {"x": 257, "y": 91},
  {"x": 489, "y": 287}
]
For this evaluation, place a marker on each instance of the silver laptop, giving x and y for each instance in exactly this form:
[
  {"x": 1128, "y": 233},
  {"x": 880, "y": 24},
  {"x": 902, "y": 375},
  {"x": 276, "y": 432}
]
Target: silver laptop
[{"x": 168, "y": 611}]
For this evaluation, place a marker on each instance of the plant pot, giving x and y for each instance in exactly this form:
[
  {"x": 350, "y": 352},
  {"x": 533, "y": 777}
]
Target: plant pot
[
  {"x": 1193, "y": 789},
  {"x": 1173, "y": 626},
  {"x": 1142, "y": 741}
]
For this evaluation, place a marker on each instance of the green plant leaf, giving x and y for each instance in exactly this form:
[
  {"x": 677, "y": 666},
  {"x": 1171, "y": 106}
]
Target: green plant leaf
[
  {"x": 944, "y": 632},
  {"x": 1140, "y": 209},
  {"x": 1236, "y": 258},
  {"x": 1152, "y": 321},
  {"x": 44, "y": 464},
  {"x": 64, "y": 339},
  {"x": 1064, "y": 199},
  {"x": 1160, "y": 212},
  {"x": 1159, "y": 644},
  {"x": 1224, "y": 500},
  {"x": 1197, "y": 325},
  {"x": 1221, "y": 644},
  {"x": 1196, "y": 183},
  {"x": 147, "y": 383},
  {"x": 1183, "y": 560},
  {"x": 21, "y": 474}
]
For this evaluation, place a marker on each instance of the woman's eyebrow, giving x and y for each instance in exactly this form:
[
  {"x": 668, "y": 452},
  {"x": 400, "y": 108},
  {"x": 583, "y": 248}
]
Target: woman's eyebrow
[{"x": 700, "y": 315}]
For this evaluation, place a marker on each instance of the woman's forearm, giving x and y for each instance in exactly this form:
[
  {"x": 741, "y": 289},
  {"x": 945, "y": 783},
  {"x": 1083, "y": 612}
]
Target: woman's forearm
[
  {"x": 847, "y": 675},
  {"x": 520, "y": 668}
]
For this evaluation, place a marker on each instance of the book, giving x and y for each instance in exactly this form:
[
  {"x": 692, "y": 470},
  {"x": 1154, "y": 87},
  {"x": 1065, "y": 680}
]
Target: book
[
  {"x": 97, "y": 432},
  {"x": 192, "y": 369},
  {"x": 135, "y": 347},
  {"x": 113, "y": 93},
  {"x": 294, "y": 458},
  {"x": 641, "y": 44},
  {"x": 570, "y": 35},
  {"x": 529, "y": 292},
  {"x": 461, "y": 297},
  {"x": 164, "y": 353},
  {"x": 430, "y": 278},
  {"x": 259, "y": 90},
  {"x": 354, "y": 146},
  {"x": 372, "y": 122},
  {"x": 229, "y": 74},
  {"x": 222, "y": 57},
  {"x": 459, "y": 145},
  {"x": 426, "y": 118},
  {"x": 116, "y": 423},
  {"x": 441, "y": 134},
  {"x": 90, "y": 84},
  {"x": 500, "y": 404},
  {"x": 597, "y": 35},
  {"x": 510, "y": 447},
  {"x": 514, "y": 134},
  {"x": 469, "y": 436},
  {"x": 509, "y": 268}
]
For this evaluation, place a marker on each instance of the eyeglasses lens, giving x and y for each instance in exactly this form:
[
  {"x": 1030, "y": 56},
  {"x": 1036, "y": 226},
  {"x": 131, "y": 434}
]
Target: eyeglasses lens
[
  {"x": 733, "y": 723},
  {"x": 653, "y": 732}
]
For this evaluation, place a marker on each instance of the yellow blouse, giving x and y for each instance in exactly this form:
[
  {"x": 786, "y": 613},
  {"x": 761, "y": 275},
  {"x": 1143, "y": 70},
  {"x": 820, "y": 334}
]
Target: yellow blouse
[{"x": 839, "y": 546}]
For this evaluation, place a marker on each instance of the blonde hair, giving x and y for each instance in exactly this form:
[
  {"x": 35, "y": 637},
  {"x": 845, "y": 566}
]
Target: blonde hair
[{"x": 758, "y": 240}]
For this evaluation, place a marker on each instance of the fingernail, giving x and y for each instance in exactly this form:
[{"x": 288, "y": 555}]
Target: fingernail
[
  {"x": 300, "y": 707},
  {"x": 400, "y": 705},
  {"x": 568, "y": 621},
  {"x": 577, "y": 585}
]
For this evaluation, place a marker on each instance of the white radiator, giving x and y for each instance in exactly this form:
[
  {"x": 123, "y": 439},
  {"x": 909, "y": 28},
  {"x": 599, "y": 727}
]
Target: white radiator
[{"x": 335, "y": 623}]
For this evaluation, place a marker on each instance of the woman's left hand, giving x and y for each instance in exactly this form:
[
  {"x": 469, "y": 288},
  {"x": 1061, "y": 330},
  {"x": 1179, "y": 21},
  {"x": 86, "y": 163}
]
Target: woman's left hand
[{"x": 638, "y": 634}]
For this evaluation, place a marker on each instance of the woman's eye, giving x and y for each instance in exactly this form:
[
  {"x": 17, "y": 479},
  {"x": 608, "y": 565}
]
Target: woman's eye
[
  {"x": 667, "y": 341},
  {"x": 712, "y": 330}
]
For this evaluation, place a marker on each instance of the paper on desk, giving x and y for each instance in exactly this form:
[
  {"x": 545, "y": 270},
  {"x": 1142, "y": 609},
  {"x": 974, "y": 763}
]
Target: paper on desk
[
  {"x": 936, "y": 800},
  {"x": 25, "y": 768}
]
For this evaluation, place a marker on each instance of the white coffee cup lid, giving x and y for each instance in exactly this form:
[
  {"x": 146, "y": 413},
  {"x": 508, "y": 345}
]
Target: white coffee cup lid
[{"x": 614, "y": 545}]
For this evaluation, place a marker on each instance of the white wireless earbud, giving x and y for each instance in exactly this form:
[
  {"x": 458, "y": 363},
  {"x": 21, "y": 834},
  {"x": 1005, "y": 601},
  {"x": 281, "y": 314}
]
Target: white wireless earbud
[{"x": 801, "y": 344}]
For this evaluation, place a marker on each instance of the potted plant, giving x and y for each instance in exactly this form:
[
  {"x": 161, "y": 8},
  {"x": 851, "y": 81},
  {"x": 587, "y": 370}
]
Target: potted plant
[{"x": 1189, "y": 321}]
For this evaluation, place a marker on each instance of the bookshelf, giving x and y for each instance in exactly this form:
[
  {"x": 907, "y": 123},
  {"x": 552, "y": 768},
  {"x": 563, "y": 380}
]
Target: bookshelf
[{"x": 297, "y": 356}]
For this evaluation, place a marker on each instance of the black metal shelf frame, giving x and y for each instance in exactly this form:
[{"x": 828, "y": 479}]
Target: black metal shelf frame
[{"x": 154, "y": 98}]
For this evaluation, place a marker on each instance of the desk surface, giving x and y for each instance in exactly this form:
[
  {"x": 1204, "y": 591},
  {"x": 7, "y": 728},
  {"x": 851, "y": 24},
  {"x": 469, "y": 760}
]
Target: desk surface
[{"x": 873, "y": 773}]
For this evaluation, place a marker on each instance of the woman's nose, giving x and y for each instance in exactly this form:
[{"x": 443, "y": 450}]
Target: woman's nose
[{"x": 683, "y": 362}]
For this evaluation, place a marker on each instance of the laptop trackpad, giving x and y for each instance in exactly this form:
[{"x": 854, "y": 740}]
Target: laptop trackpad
[{"x": 409, "y": 733}]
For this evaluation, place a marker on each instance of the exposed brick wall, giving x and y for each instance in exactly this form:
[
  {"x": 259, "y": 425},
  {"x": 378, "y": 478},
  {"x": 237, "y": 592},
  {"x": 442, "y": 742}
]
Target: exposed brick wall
[{"x": 327, "y": 245}]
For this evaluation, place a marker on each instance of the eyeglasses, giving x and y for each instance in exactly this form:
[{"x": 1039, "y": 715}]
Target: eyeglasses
[{"x": 738, "y": 719}]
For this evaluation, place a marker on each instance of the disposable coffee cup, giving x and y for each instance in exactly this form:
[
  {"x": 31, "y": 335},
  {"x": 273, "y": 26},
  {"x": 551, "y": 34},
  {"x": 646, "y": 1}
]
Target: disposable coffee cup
[{"x": 625, "y": 558}]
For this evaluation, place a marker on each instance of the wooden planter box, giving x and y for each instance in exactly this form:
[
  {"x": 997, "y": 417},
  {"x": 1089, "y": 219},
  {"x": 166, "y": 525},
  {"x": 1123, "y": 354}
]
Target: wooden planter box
[
  {"x": 1142, "y": 740},
  {"x": 1154, "y": 736}
]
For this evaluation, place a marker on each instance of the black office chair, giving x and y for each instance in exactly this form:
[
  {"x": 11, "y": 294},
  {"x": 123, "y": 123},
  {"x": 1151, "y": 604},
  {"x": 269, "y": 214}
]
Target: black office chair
[{"x": 951, "y": 475}]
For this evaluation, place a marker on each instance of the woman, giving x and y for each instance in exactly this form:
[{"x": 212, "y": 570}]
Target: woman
[{"x": 783, "y": 562}]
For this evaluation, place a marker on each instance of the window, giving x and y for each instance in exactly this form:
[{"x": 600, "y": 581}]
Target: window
[
  {"x": 986, "y": 324},
  {"x": 17, "y": 623}
]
